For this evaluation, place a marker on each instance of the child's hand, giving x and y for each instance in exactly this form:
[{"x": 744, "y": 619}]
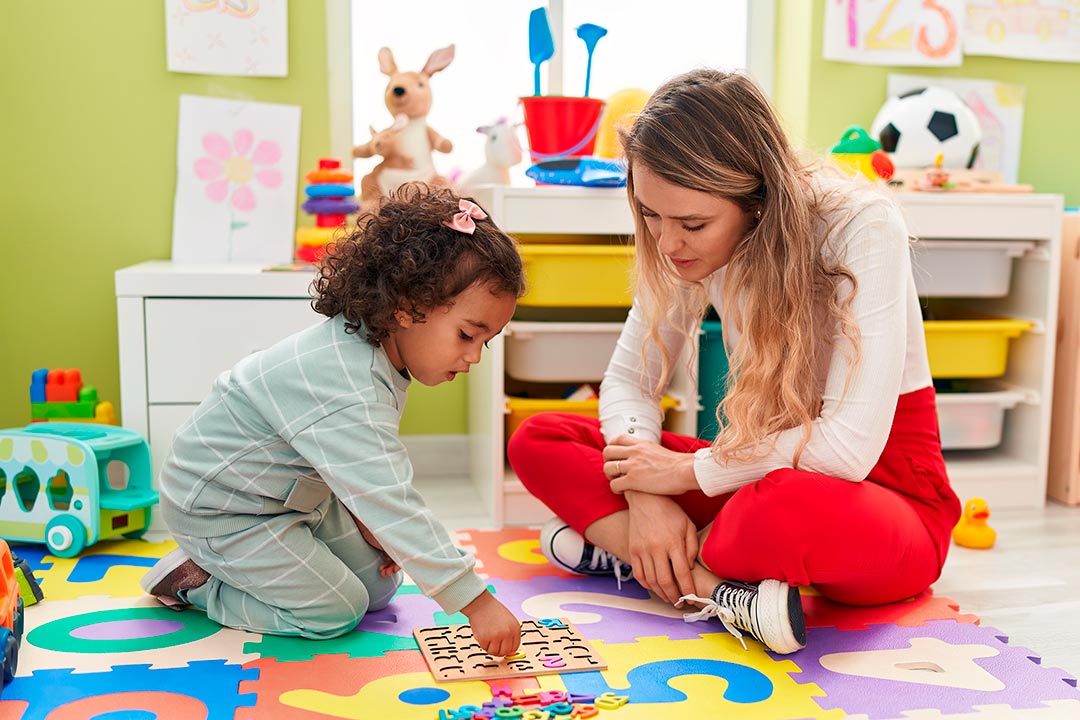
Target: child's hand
[
  {"x": 495, "y": 628},
  {"x": 389, "y": 567}
]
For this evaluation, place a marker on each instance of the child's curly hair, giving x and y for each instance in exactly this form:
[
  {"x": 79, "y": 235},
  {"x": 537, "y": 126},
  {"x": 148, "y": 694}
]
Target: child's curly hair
[{"x": 402, "y": 256}]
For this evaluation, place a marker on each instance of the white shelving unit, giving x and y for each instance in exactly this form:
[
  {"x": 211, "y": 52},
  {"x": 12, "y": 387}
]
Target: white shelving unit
[
  {"x": 1014, "y": 474},
  {"x": 544, "y": 211}
]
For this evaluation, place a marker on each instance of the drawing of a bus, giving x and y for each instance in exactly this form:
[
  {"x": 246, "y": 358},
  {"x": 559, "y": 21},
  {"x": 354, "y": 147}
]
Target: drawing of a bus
[{"x": 69, "y": 485}]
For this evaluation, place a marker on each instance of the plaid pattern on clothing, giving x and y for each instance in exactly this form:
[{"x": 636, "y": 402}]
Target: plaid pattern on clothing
[{"x": 317, "y": 413}]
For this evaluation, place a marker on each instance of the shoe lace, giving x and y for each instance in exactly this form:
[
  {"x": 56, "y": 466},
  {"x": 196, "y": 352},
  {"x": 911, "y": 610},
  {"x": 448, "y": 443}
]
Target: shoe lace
[
  {"x": 731, "y": 607},
  {"x": 603, "y": 560}
]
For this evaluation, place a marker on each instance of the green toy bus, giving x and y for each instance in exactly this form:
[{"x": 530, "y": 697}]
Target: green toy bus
[{"x": 69, "y": 485}]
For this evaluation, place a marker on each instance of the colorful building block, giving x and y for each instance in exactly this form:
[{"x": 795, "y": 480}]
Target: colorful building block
[
  {"x": 63, "y": 385},
  {"x": 29, "y": 588}
]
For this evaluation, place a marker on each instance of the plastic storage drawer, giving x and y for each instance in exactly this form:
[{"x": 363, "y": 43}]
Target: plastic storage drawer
[
  {"x": 518, "y": 409},
  {"x": 970, "y": 348},
  {"x": 712, "y": 376},
  {"x": 974, "y": 420},
  {"x": 560, "y": 352},
  {"x": 577, "y": 275},
  {"x": 965, "y": 268}
]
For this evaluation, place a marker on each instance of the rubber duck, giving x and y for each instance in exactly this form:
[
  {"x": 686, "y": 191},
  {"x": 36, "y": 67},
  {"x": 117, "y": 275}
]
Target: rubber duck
[{"x": 972, "y": 530}]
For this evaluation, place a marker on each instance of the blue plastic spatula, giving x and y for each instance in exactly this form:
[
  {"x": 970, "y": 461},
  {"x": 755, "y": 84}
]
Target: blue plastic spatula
[
  {"x": 591, "y": 34},
  {"x": 541, "y": 46}
]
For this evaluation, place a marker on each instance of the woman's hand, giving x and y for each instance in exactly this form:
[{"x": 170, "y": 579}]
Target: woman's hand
[
  {"x": 495, "y": 628},
  {"x": 663, "y": 545},
  {"x": 646, "y": 466}
]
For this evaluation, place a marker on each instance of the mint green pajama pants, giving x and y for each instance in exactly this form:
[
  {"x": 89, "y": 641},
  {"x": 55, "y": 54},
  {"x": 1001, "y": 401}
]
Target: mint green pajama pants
[{"x": 308, "y": 574}]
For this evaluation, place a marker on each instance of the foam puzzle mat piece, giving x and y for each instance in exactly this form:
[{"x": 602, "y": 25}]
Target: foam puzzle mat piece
[
  {"x": 599, "y": 609},
  {"x": 358, "y": 643},
  {"x": 1050, "y": 710},
  {"x": 36, "y": 555},
  {"x": 207, "y": 689},
  {"x": 509, "y": 554},
  {"x": 821, "y": 612},
  {"x": 112, "y": 567},
  {"x": 945, "y": 665},
  {"x": 395, "y": 686},
  {"x": 333, "y": 687},
  {"x": 324, "y": 677},
  {"x": 711, "y": 676},
  {"x": 92, "y": 634}
]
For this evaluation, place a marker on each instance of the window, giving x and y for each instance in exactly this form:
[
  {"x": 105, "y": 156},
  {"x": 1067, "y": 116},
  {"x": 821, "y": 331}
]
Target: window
[{"x": 648, "y": 41}]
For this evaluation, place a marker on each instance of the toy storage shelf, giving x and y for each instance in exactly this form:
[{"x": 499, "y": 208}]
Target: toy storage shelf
[
  {"x": 1027, "y": 230},
  {"x": 575, "y": 224}
]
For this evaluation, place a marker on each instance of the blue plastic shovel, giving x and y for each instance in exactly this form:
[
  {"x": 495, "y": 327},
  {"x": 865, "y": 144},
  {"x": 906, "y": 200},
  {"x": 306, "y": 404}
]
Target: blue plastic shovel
[
  {"x": 591, "y": 34},
  {"x": 541, "y": 46}
]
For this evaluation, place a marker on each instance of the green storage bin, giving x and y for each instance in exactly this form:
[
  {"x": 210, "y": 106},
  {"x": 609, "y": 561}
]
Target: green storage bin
[{"x": 712, "y": 376}]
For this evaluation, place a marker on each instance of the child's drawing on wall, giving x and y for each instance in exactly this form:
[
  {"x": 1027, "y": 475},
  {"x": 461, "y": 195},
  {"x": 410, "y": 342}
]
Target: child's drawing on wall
[{"x": 235, "y": 181}]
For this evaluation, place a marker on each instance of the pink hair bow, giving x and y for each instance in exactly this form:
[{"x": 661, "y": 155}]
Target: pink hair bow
[{"x": 464, "y": 221}]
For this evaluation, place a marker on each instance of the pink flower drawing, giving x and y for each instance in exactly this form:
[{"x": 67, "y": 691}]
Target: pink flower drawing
[{"x": 229, "y": 167}]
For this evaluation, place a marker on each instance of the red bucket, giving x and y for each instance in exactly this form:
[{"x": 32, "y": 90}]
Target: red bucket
[{"x": 561, "y": 126}]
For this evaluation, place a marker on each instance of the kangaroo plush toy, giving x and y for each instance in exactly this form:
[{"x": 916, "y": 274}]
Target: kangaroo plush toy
[{"x": 405, "y": 146}]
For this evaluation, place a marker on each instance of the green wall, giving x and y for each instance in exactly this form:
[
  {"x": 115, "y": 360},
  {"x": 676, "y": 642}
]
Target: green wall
[
  {"x": 820, "y": 98},
  {"x": 88, "y": 117}
]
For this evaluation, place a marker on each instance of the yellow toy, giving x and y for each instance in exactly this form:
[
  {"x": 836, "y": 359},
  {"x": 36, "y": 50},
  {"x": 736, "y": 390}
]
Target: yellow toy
[
  {"x": 972, "y": 530},
  {"x": 619, "y": 110}
]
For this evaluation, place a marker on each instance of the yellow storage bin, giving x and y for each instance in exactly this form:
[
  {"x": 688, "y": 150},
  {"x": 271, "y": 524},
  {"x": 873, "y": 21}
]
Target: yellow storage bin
[
  {"x": 577, "y": 275},
  {"x": 521, "y": 408},
  {"x": 970, "y": 348}
]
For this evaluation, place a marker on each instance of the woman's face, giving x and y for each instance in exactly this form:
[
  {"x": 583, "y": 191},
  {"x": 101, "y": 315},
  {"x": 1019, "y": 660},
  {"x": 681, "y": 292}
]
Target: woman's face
[{"x": 697, "y": 231}]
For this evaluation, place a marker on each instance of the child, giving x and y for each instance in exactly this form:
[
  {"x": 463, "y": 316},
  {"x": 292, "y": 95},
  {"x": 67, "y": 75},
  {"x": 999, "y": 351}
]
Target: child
[
  {"x": 289, "y": 491},
  {"x": 828, "y": 468}
]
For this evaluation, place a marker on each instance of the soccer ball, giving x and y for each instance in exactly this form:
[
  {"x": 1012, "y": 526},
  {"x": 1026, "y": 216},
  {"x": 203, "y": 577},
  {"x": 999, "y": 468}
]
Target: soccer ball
[{"x": 914, "y": 127}]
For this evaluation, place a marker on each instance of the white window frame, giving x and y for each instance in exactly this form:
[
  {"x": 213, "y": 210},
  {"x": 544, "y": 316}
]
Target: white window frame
[{"x": 761, "y": 30}]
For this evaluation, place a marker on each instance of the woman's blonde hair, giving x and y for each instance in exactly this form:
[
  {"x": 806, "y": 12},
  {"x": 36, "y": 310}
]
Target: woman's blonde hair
[{"x": 715, "y": 132}]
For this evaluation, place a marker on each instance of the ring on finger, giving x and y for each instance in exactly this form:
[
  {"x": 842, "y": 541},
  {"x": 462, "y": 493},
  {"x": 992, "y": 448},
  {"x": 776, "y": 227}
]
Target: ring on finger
[{"x": 618, "y": 467}]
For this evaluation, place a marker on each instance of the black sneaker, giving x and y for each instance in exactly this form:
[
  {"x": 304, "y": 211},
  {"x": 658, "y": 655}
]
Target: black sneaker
[
  {"x": 565, "y": 548},
  {"x": 770, "y": 611}
]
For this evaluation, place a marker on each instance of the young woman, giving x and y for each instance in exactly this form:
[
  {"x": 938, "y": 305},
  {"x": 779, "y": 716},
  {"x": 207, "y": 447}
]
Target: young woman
[
  {"x": 289, "y": 491},
  {"x": 827, "y": 470}
]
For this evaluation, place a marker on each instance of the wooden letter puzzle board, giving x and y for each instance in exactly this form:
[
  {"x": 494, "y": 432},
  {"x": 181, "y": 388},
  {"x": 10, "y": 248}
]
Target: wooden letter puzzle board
[{"x": 548, "y": 646}]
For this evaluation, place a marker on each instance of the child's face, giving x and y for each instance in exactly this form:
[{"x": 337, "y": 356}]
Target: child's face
[
  {"x": 450, "y": 339},
  {"x": 697, "y": 231}
]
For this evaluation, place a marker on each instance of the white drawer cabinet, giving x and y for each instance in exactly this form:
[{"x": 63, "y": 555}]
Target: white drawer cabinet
[
  {"x": 189, "y": 341},
  {"x": 181, "y": 326}
]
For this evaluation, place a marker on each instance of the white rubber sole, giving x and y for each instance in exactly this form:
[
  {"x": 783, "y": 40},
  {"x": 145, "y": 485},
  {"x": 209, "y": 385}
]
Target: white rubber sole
[
  {"x": 772, "y": 612},
  {"x": 551, "y": 528}
]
